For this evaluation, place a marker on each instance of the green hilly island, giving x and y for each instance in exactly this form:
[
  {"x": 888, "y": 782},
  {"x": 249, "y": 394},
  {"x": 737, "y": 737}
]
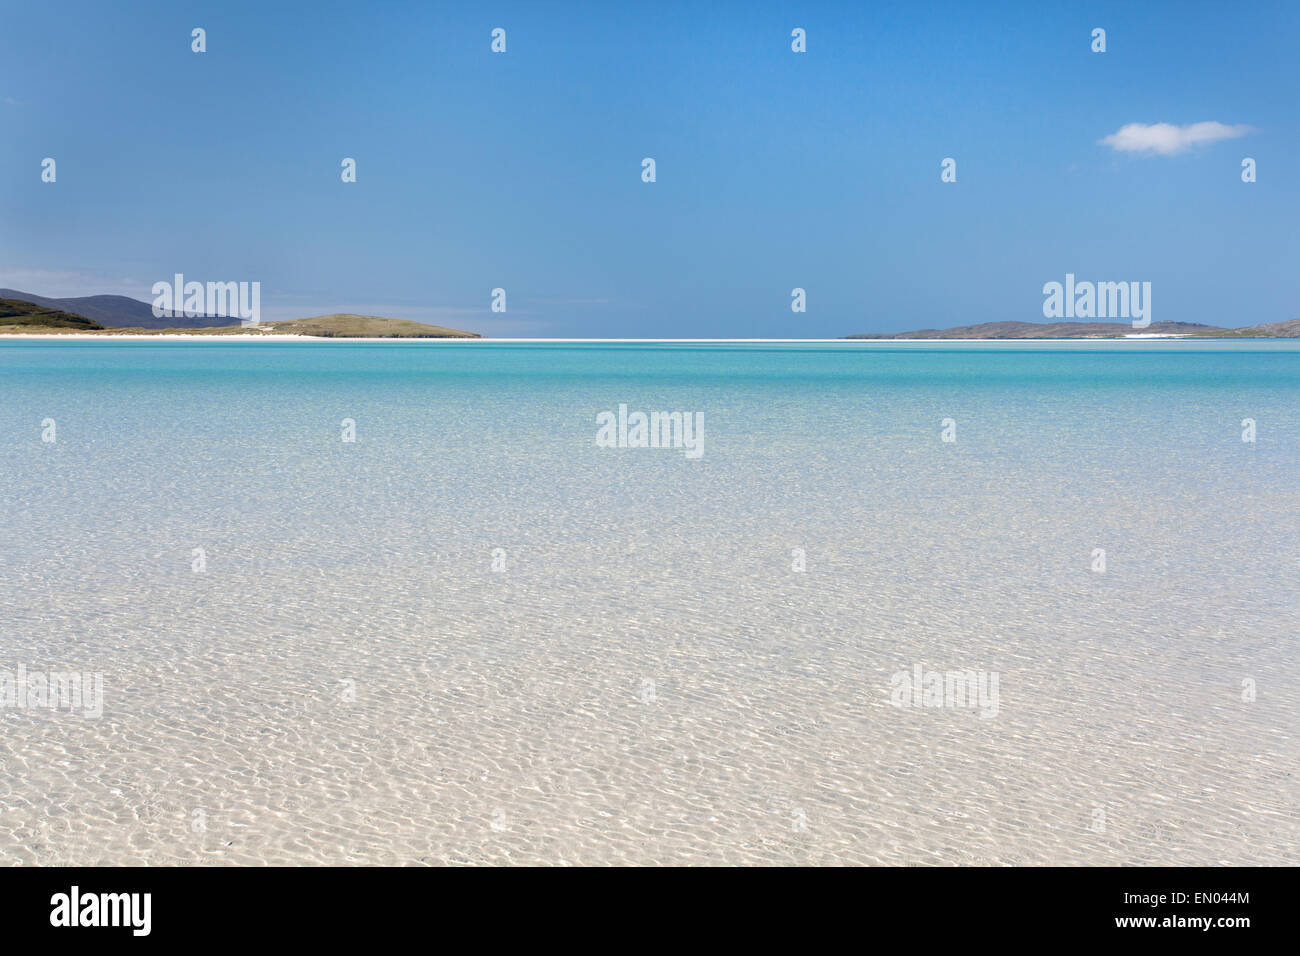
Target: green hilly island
[
  {"x": 21, "y": 317},
  {"x": 1093, "y": 330}
]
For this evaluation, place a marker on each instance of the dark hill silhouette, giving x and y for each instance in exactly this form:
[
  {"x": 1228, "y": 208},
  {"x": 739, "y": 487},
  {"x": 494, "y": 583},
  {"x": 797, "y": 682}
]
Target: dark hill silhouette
[{"x": 118, "y": 311}]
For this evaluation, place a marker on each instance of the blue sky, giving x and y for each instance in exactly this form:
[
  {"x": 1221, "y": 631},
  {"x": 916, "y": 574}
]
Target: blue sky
[{"x": 775, "y": 170}]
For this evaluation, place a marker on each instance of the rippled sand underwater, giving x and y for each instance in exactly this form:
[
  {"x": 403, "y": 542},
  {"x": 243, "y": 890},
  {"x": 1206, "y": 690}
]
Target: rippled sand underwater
[{"x": 646, "y": 679}]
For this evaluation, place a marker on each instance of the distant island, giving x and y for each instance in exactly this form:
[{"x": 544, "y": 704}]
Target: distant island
[
  {"x": 1094, "y": 330},
  {"x": 116, "y": 315},
  {"x": 116, "y": 311}
]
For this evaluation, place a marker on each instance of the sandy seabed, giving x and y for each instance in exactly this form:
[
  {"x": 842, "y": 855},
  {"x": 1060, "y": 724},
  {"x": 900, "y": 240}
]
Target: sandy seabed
[{"x": 647, "y": 679}]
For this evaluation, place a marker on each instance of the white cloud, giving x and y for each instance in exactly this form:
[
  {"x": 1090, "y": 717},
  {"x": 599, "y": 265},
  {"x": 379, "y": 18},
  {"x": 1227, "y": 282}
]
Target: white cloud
[{"x": 1166, "y": 139}]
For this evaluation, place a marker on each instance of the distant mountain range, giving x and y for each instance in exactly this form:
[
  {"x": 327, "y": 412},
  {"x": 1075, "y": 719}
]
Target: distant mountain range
[
  {"x": 118, "y": 311},
  {"x": 31, "y": 318},
  {"x": 1092, "y": 330}
]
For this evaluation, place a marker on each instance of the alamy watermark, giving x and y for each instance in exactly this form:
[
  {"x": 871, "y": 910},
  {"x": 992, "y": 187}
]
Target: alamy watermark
[
  {"x": 242, "y": 300},
  {"x": 684, "y": 430},
  {"x": 75, "y": 908},
  {"x": 951, "y": 689},
  {"x": 72, "y": 691},
  {"x": 1098, "y": 300}
]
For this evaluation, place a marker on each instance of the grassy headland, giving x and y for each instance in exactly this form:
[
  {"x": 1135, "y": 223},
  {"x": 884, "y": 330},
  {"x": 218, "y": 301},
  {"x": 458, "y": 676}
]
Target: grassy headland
[{"x": 28, "y": 316}]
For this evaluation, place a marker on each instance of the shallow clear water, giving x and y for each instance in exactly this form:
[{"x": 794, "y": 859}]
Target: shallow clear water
[{"x": 648, "y": 679}]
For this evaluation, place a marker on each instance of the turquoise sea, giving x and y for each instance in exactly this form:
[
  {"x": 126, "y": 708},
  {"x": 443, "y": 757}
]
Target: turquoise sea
[{"x": 473, "y": 635}]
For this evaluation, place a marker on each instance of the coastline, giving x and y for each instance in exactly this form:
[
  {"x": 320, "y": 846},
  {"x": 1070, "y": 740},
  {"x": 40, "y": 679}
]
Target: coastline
[{"x": 288, "y": 337}]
